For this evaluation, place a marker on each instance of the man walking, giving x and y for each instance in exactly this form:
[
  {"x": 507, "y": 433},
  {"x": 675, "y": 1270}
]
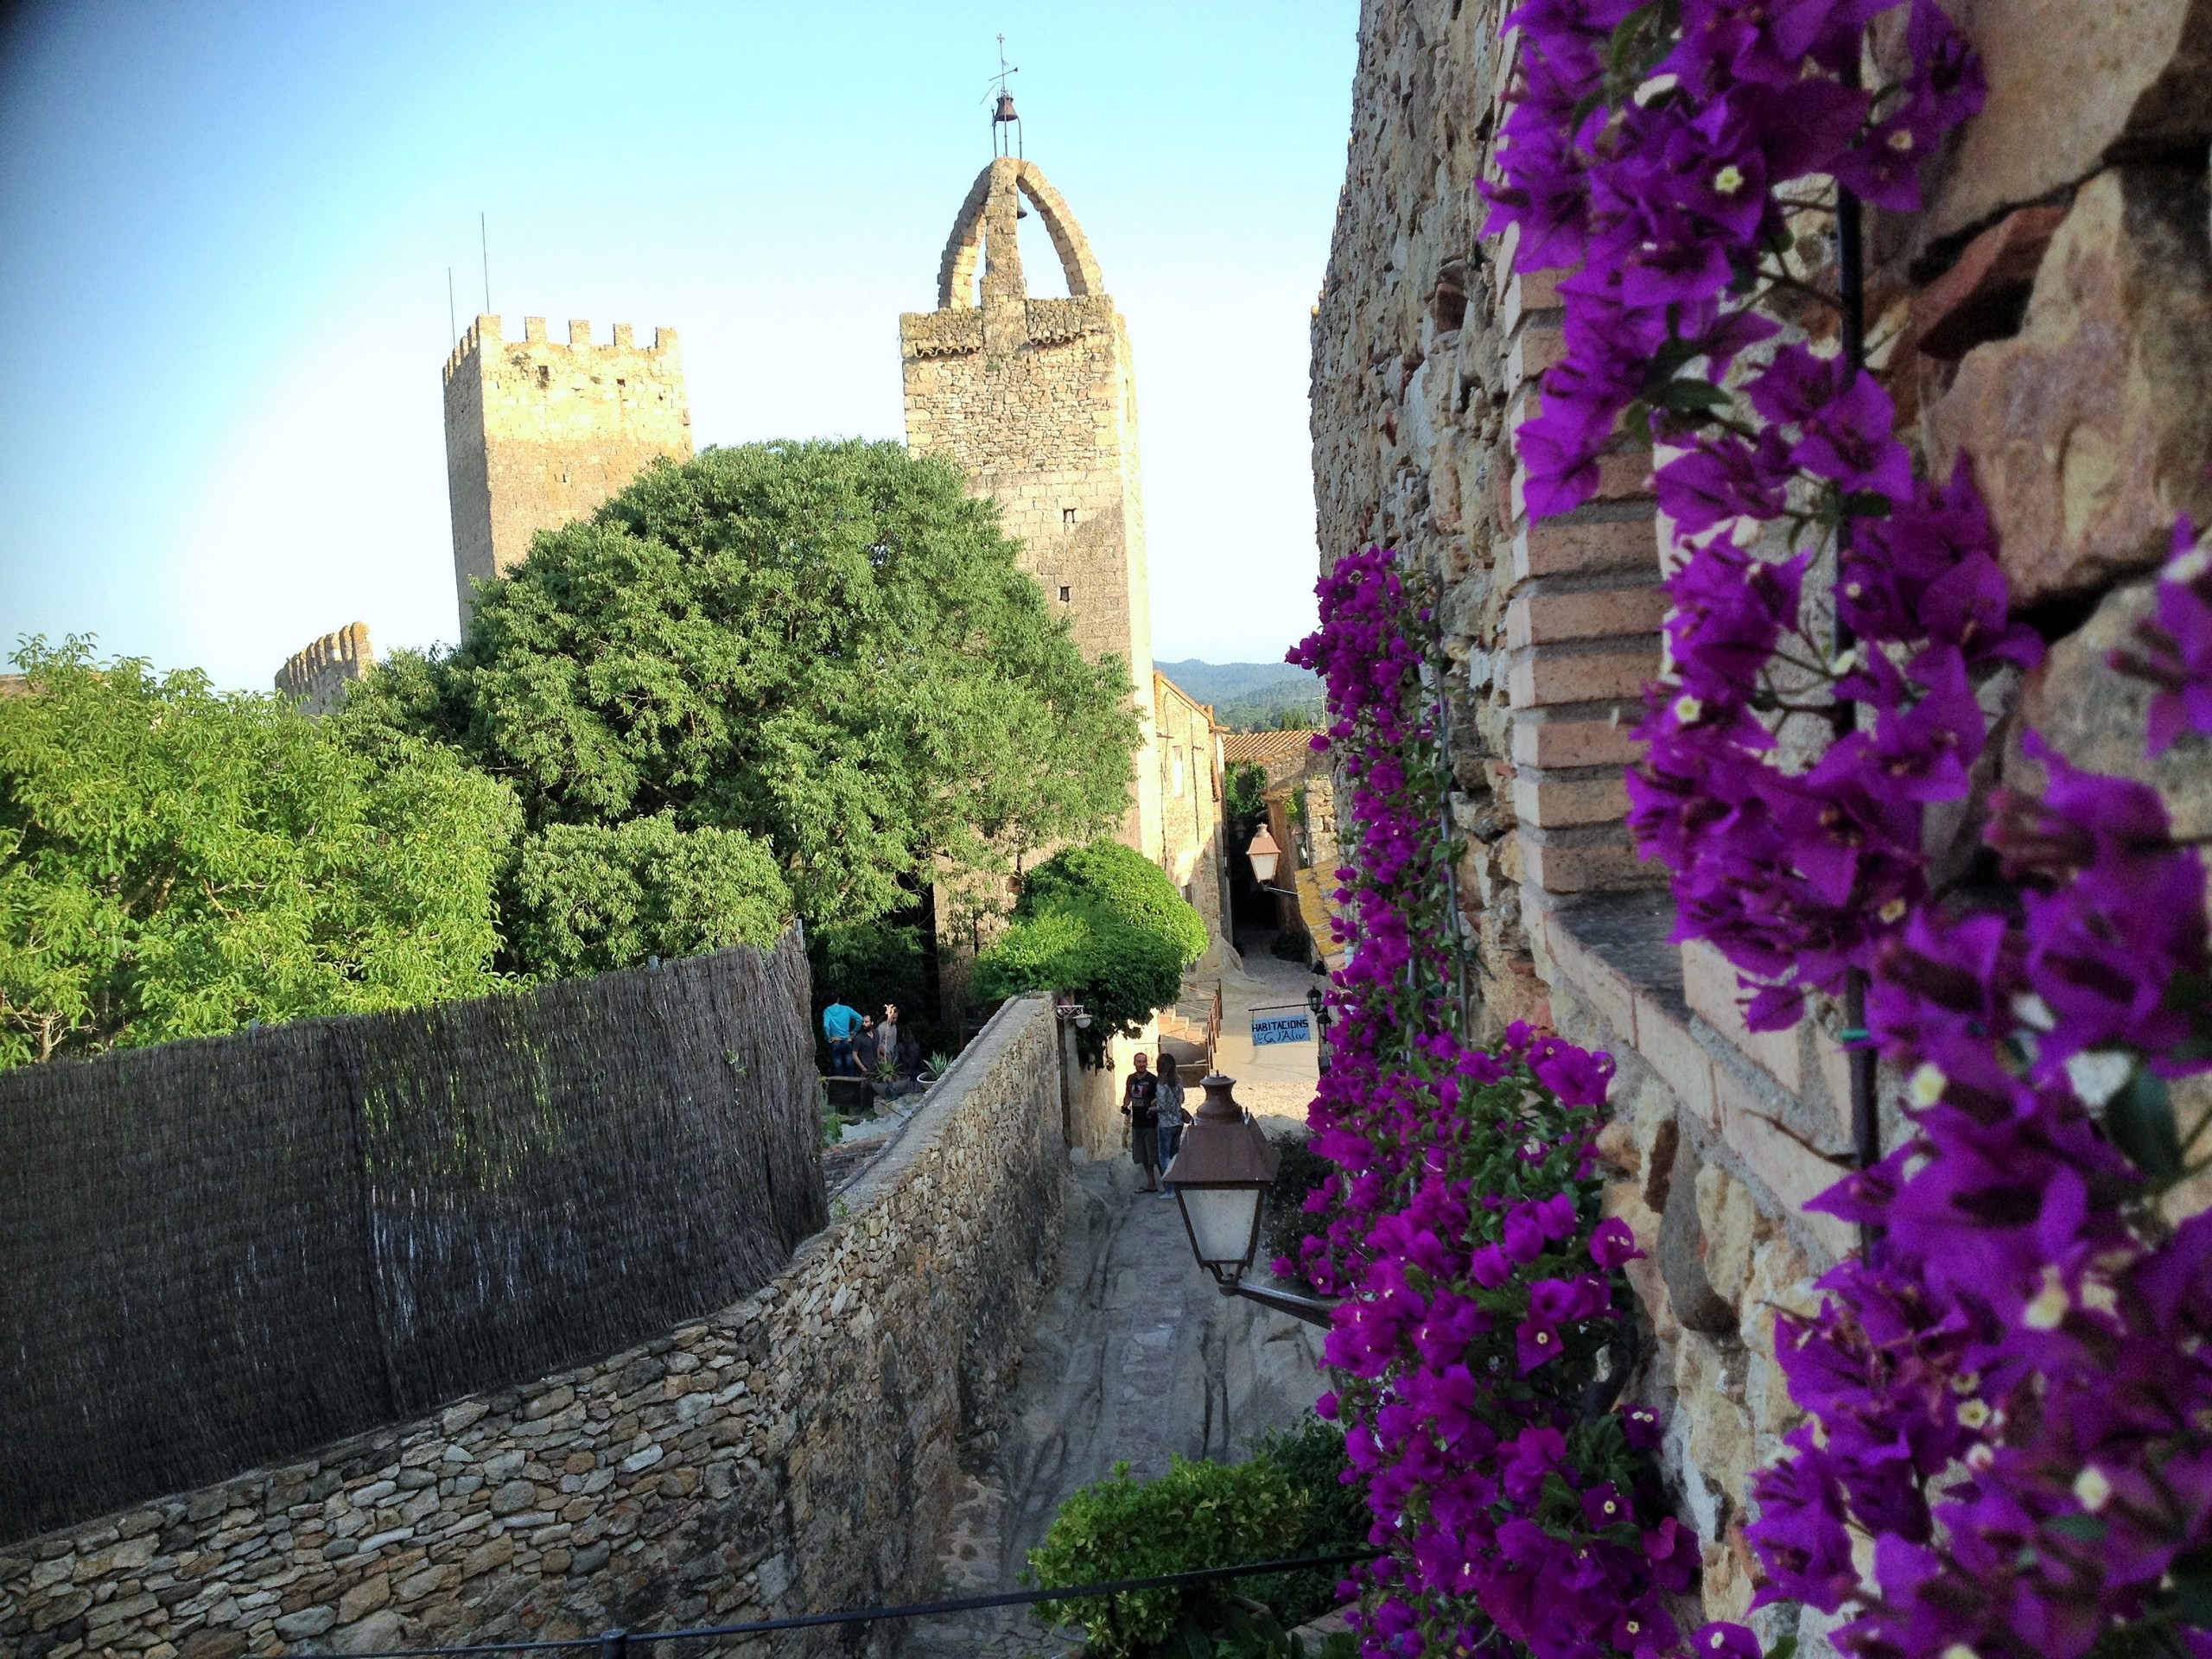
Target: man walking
[
  {"x": 1141, "y": 1105},
  {"x": 841, "y": 1025}
]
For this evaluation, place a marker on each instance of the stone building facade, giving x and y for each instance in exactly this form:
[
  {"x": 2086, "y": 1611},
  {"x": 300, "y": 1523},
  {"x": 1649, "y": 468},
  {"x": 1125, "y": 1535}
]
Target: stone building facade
[
  {"x": 315, "y": 675},
  {"x": 799, "y": 1451},
  {"x": 2049, "y": 315},
  {"x": 1192, "y": 848},
  {"x": 1035, "y": 401},
  {"x": 539, "y": 432}
]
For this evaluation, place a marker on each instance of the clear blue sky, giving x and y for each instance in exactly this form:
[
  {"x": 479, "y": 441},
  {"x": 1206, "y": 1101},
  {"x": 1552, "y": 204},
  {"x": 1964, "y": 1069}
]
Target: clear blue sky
[{"x": 224, "y": 229}]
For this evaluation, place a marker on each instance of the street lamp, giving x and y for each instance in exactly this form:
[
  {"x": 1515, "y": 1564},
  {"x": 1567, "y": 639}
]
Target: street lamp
[
  {"x": 1264, "y": 853},
  {"x": 1219, "y": 1177}
]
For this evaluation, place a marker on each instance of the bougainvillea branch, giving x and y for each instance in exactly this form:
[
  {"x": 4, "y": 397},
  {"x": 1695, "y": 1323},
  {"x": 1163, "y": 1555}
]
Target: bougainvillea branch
[
  {"x": 2011, "y": 1443},
  {"x": 1481, "y": 1342}
]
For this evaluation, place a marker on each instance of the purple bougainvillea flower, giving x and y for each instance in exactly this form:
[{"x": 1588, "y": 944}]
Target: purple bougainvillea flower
[
  {"x": 1524, "y": 1233},
  {"x": 1613, "y": 1245},
  {"x": 2176, "y": 653},
  {"x": 1721, "y": 1640}
]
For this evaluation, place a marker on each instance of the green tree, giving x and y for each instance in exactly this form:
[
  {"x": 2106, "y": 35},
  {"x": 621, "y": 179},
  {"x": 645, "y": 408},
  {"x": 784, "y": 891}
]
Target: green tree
[
  {"x": 1244, "y": 795},
  {"x": 176, "y": 862},
  {"x": 589, "y": 898},
  {"x": 1102, "y": 921},
  {"x": 828, "y": 647}
]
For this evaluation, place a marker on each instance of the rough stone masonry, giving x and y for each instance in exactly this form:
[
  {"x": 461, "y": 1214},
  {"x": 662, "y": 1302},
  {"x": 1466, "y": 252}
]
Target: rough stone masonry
[
  {"x": 2049, "y": 315},
  {"x": 797, "y": 1451}
]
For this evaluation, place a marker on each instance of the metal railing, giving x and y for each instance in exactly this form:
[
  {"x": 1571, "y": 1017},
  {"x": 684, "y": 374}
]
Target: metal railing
[{"x": 616, "y": 1644}]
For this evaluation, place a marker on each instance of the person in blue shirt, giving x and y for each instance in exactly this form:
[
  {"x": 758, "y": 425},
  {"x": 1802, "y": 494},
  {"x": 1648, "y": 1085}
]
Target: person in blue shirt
[{"x": 841, "y": 1025}]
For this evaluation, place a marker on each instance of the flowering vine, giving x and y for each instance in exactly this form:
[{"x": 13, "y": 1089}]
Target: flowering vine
[
  {"x": 1483, "y": 1289},
  {"x": 2011, "y": 1443}
]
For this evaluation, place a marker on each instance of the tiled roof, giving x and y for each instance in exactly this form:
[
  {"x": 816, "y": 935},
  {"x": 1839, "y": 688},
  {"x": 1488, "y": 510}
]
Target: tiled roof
[{"x": 1267, "y": 747}]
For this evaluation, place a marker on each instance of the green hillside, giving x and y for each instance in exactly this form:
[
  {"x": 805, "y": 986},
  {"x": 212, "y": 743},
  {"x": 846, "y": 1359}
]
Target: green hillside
[{"x": 1251, "y": 696}]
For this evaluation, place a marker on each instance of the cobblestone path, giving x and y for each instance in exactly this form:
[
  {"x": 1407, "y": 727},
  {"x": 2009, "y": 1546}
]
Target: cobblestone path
[{"x": 1137, "y": 1356}]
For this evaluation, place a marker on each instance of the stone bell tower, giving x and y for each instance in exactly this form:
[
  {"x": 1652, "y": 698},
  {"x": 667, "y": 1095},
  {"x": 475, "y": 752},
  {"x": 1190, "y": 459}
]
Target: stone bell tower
[{"x": 1035, "y": 400}]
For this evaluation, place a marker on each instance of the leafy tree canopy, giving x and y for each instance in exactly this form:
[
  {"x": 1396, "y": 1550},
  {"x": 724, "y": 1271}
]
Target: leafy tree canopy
[
  {"x": 1106, "y": 922},
  {"x": 828, "y": 647},
  {"x": 176, "y": 863},
  {"x": 589, "y": 898}
]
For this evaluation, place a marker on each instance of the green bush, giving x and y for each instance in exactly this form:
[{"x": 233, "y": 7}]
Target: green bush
[
  {"x": 1197, "y": 1514},
  {"x": 1312, "y": 1457},
  {"x": 1288, "y": 1500},
  {"x": 1102, "y": 921},
  {"x": 1293, "y": 944},
  {"x": 1300, "y": 1171}
]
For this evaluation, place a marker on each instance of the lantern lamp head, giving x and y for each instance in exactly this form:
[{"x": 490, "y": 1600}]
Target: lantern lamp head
[
  {"x": 1264, "y": 854},
  {"x": 1219, "y": 1178}
]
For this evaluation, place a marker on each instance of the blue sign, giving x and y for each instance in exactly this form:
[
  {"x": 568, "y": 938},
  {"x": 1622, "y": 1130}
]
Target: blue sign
[{"x": 1281, "y": 1026}]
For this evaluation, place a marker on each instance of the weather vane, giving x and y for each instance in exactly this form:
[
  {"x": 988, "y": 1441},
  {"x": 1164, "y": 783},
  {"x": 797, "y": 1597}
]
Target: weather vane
[{"x": 1005, "y": 123}]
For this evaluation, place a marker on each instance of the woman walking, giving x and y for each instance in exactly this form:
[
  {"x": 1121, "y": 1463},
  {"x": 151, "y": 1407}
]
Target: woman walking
[{"x": 1168, "y": 1113}]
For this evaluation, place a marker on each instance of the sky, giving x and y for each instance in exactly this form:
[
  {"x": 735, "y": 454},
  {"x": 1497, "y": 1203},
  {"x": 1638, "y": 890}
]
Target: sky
[{"x": 225, "y": 230}]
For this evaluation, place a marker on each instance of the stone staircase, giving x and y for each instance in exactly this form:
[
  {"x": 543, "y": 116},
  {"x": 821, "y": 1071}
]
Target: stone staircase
[{"x": 1186, "y": 1033}]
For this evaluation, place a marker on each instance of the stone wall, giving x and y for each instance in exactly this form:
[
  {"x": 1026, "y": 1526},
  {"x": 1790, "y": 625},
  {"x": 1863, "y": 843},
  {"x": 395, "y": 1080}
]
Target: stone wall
[
  {"x": 315, "y": 675},
  {"x": 1190, "y": 826},
  {"x": 1035, "y": 401},
  {"x": 2049, "y": 315},
  {"x": 795, "y": 1453},
  {"x": 538, "y": 432}
]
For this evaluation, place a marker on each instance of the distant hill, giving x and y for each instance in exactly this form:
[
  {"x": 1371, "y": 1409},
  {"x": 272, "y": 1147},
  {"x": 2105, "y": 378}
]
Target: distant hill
[{"x": 1250, "y": 696}]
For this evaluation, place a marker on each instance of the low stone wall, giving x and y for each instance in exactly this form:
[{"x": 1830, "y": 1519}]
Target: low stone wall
[{"x": 795, "y": 1453}]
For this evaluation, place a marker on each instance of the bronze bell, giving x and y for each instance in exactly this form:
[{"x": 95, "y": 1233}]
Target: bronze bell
[{"x": 1005, "y": 111}]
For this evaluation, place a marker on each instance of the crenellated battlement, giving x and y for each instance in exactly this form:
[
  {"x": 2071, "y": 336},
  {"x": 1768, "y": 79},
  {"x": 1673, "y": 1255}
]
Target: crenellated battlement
[
  {"x": 487, "y": 330},
  {"x": 316, "y": 676},
  {"x": 541, "y": 431}
]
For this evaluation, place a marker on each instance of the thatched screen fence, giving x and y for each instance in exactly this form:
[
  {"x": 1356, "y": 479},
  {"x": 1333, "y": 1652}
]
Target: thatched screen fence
[{"x": 218, "y": 1253}]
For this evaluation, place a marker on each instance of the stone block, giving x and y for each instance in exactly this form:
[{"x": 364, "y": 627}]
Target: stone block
[
  {"x": 1662, "y": 1036},
  {"x": 1793, "y": 1172},
  {"x": 364, "y": 1598},
  {"x": 307, "y": 1623},
  {"x": 1549, "y": 738},
  {"x": 1709, "y": 985},
  {"x": 1585, "y": 863},
  {"x": 1982, "y": 297},
  {"x": 1579, "y": 546},
  {"x": 1730, "y": 1224},
  {"x": 1561, "y": 802},
  {"x": 2088, "y": 430},
  {"x": 2071, "y": 86},
  {"x": 1536, "y": 291},
  {"x": 2095, "y": 717},
  {"x": 1698, "y": 1304},
  {"x": 1606, "y": 988},
  {"x": 1624, "y": 474},
  {"x": 1544, "y": 676},
  {"x": 1535, "y": 349},
  {"x": 379, "y": 1632},
  {"x": 1544, "y": 618}
]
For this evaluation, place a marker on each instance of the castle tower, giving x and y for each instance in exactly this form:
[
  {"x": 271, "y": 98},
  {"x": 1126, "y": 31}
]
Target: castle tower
[
  {"x": 1036, "y": 401},
  {"x": 538, "y": 432}
]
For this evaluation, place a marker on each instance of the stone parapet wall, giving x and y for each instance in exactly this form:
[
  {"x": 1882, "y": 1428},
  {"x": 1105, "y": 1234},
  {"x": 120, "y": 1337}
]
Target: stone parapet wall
[
  {"x": 796, "y": 1453},
  {"x": 315, "y": 675},
  {"x": 2048, "y": 318}
]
